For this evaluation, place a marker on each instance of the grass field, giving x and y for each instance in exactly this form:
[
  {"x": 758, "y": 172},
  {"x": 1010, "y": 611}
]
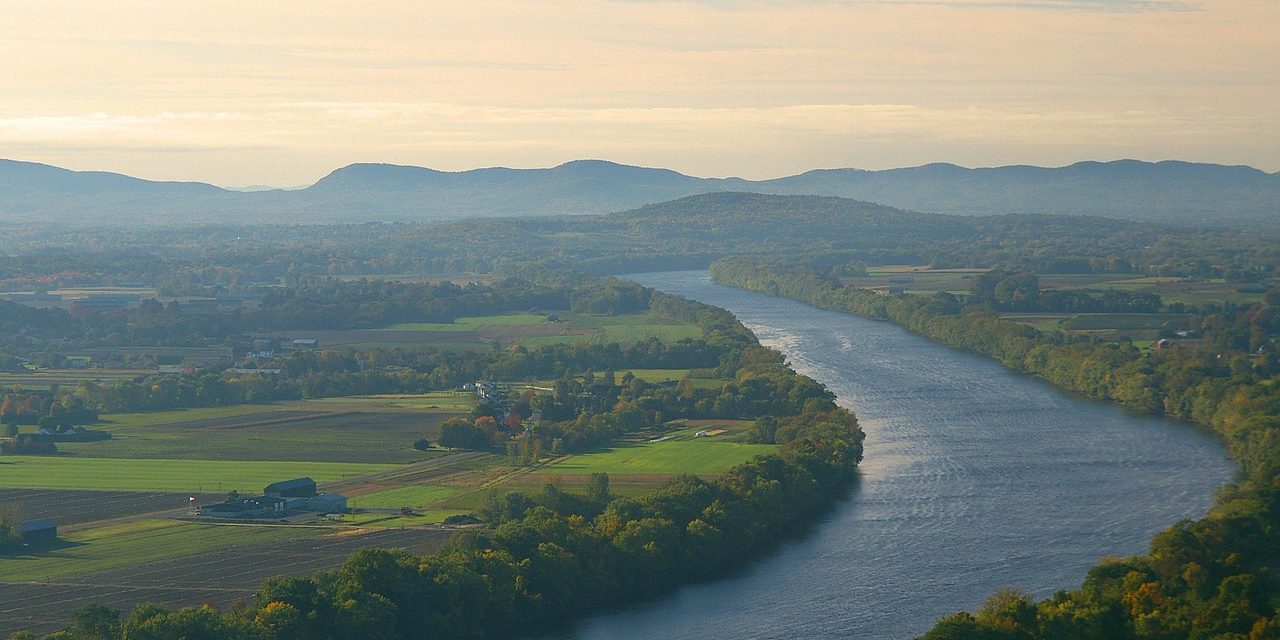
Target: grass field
[
  {"x": 657, "y": 375},
  {"x": 365, "y": 429},
  {"x": 479, "y": 332},
  {"x": 213, "y": 476},
  {"x": 681, "y": 454},
  {"x": 406, "y": 496},
  {"x": 429, "y": 516},
  {"x": 135, "y": 542}
]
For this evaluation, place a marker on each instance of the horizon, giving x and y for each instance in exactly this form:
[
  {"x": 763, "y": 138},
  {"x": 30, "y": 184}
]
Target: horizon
[
  {"x": 278, "y": 94},
  {"x": 262, "y": 186}
]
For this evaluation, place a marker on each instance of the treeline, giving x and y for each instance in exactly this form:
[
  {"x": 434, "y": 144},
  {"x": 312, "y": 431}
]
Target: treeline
[
  {"x": 1213, "y": 578},
  {"x": 555, "y": 557},
  {"x": 310, "y": 303},
  {"x": 686, "y": 233}
]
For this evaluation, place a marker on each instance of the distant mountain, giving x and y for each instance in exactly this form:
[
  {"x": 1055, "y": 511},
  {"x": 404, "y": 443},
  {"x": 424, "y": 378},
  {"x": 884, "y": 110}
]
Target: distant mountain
[{"x": 1178, "y": 192}]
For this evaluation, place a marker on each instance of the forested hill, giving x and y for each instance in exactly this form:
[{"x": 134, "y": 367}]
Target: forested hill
[
  {"x": 687, "y": 233},
  {"x": 1174, "y": 192}
]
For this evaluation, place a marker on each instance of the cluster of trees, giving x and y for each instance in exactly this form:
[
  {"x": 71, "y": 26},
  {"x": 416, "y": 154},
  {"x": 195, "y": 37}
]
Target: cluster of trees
[
  {"x": 1020, "y": 291},
  {"x": 46, "y": 409},
  {"x": 1212, "y": 578}
]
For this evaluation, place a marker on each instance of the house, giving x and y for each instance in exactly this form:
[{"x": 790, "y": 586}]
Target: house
[
  {"x": 38, "y": 531},
  {"x": 486, "y": 390},
  {"x": 78, "y": 362},
  {"x": 296, "y": 488},
  {"x": 1163, "y": 343}
]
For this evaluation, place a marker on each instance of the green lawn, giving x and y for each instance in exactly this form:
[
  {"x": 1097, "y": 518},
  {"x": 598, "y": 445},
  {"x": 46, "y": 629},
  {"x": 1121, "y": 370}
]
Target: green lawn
[
  {"x": 135, "y": 542},
  {"x": 681, "y": 454},
  {"x": 214, "y": 476},
  {"x": 407, "y": 496}
]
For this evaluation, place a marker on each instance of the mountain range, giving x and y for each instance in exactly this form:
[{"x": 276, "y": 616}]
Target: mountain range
[{"x": 1170, "y": 191}]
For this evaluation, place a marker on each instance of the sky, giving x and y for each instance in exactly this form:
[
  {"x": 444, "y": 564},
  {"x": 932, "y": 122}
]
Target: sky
[{"x": 281, "y": 92}]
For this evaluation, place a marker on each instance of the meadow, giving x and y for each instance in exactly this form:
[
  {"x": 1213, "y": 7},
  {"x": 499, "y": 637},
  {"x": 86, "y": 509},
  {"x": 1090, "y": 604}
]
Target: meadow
[{"x": 680, "y": 453}]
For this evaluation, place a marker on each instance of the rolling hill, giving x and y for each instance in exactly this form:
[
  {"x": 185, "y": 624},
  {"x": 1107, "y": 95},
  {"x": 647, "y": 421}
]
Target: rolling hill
[{"x": 1175, "y": 192}]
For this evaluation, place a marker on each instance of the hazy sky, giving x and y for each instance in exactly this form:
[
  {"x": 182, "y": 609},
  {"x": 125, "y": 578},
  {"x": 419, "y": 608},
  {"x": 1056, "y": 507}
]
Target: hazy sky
[{"x": 276, "y": 92}]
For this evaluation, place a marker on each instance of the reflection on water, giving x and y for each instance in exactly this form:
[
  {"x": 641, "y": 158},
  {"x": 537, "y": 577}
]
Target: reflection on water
[{"x": 974, "y": 479}]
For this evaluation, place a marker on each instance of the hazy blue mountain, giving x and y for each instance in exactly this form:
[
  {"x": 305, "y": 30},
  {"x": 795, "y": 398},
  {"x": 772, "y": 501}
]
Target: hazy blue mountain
[{"x": 1165, "y": 191}]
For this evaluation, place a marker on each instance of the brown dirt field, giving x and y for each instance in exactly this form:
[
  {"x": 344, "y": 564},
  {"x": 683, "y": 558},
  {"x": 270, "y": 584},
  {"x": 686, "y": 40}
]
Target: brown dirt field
[
  {"x": 68, "y": 507},
  {"x": 217, "y": 578}
]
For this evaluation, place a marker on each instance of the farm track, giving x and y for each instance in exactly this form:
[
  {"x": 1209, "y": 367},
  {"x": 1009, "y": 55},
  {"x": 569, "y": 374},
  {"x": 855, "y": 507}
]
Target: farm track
[{"x": 217, "y": 577}]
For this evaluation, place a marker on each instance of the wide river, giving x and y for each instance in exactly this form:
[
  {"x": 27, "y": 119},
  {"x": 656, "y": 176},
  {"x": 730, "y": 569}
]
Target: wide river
[{"x": 974, "y": 479}]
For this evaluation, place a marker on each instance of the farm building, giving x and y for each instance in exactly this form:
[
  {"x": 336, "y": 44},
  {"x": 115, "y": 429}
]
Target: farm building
[
  {"x": 325, "y": 503},
  {"x": 296, "y": 488},
  {"x": 247, "y": 508},
  {"x": 306, "y": 343},
  {"x": 38, "y": 531}
]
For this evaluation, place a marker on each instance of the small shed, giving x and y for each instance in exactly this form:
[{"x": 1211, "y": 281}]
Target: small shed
[
  {"x": 38, "y": 531},
  {"x": 296, "y": 488}
]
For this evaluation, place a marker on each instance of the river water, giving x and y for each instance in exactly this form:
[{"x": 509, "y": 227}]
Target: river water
[{"x": 974, "y": 479}]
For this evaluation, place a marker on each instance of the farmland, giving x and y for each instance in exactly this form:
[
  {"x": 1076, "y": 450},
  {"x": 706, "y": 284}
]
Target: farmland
[
  {"x": 132, "y": 542},
  {"x": 920, "y": 279},
  {"x": 166, "y": 475},
  {"x": 67, "y": 506},
  {"x": 479, "y": 332},
  {"x": 368, "y": 429},
  {"x": 680, "y": 452},
  {"x": 43, "y": 603}
]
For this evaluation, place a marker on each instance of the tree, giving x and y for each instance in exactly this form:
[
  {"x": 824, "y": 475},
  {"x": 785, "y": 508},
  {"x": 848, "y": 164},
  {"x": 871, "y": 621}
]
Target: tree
[
  {"x": 96, "y": 621},
  {"x": 422, "y": 444},
  {"x": 598, "y": 490},
  {"x": 13, "y": 430}
]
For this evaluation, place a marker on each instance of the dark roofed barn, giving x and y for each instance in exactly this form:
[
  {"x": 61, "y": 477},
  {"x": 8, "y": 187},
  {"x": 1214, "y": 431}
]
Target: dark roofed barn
[
  {"x": 38, "y": 531},
  {"x": 296, "y": 488}
]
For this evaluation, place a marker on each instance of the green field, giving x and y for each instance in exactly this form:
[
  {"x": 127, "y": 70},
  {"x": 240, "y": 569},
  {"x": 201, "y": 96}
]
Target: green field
[
  {"x": 365, "y": 429},
  {"x": 534, "y": 329},
  {"x": 474, "y": 323},
  {"x": 657, "y": 375},
  {"x": 430, "y": 516},
  {"x": 136, "y": 542},
  {"x": 681, "y": 454},
  {"x": 74, "y": 472},
  {"x": 406, "y": 496}
]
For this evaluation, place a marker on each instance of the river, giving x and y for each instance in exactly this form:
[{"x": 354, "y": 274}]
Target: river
[{"x": 974, "y": 479}]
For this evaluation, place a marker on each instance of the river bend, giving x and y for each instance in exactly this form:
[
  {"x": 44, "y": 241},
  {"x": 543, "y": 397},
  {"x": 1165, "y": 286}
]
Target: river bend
[{"x": 974, "y": 479}]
